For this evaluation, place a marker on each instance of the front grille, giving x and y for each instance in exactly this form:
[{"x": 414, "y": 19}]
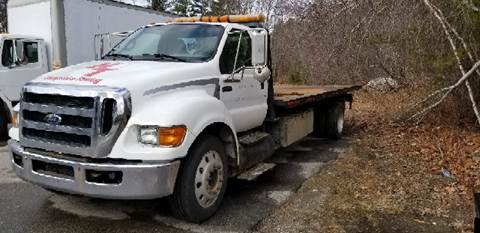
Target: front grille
[
  {"x": 76, "y": 120},
  {"x": 59, "y": 100},
  {"x": 57, "y": 137},
  {"x": 67, "y": 120}
]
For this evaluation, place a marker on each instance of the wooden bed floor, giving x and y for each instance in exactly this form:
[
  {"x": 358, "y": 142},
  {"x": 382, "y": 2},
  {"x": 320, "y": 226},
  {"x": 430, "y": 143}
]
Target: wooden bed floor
[{"x": 287, "y": 93}]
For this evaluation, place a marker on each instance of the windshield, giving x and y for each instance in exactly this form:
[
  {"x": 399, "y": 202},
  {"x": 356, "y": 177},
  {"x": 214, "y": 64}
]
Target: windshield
[{"x": 177, "y": 42}]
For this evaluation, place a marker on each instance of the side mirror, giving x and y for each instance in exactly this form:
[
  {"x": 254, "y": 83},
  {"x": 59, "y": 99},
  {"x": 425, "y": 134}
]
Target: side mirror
[
  {"x": 262, "y": 74},
  {"x": 259, "y": 47}
]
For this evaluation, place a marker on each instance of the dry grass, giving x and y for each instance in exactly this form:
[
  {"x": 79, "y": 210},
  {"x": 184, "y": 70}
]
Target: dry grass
[
  {"x": 390, "y": 180},
  {"x": 443, "y": 140}
]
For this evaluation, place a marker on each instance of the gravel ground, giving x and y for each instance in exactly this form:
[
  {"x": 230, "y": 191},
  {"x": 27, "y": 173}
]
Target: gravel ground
[{"x": 364, "y": 192}]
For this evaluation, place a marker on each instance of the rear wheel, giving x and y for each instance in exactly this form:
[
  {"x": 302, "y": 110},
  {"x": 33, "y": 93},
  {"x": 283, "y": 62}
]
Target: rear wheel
[
  {"x": 329, "y": 120},
  {"x": 335, "y": 120},
  {"x": 201, "y": 182}
]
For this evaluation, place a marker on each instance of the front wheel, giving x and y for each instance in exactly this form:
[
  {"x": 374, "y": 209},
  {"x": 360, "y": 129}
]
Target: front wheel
[{"x": 201, "y": 182}]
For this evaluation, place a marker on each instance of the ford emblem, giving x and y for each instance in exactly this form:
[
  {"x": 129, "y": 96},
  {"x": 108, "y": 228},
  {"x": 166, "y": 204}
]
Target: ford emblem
[{"x": 53, "y": 119}]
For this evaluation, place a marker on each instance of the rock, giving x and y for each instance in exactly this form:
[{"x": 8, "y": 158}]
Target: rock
[
  {"x": 476, "y": 156},
  {"x": 383, "y": 84}
]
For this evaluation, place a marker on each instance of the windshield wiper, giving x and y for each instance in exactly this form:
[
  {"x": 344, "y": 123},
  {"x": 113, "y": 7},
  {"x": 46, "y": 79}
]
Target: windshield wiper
[
  {"x": 166, "y": 56},
  {"x": 119, "y": 55}
]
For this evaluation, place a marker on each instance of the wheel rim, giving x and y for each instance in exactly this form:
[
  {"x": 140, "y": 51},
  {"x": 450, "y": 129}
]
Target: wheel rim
[
  {"x": 209, "y": 179},
  {"x": 340, "y": 122}
]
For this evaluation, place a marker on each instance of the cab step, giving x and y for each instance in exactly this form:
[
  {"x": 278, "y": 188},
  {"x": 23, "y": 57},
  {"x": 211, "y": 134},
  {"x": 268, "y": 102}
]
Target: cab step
[
  {"x": 253, "y": 138},
  {"x": 254, "y": 148},
  {"x": 256, "y": 171}
]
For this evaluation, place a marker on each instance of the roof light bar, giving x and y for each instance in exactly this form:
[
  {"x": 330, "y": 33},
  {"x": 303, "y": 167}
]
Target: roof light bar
[{"x": 223, "y": 19}]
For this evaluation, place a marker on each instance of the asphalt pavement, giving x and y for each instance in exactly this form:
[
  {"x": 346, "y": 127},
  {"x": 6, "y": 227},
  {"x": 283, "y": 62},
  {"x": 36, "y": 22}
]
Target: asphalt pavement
[{"x": 27, "y": 208}]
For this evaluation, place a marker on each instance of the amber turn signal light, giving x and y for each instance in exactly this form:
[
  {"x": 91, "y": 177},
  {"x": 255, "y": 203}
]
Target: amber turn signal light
[
  {"x": 171, "y": 137},
  {"x": 14, "y": 120}
]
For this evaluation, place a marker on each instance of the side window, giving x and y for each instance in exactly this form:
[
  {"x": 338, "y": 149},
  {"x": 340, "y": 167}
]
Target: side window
[
  {"x": 227, "y": 59},
  {"x": 31, "y": 51},
  {"x": 7, "y": 53}
]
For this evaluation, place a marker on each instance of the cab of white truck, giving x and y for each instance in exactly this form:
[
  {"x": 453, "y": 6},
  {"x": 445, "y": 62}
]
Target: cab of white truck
[
  {"x": 158, "y": 116},
  {"x": 23, "y": 57}
]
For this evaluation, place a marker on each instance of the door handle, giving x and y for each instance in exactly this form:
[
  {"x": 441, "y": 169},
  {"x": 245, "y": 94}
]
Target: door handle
[{"x": 227, "y": 89}]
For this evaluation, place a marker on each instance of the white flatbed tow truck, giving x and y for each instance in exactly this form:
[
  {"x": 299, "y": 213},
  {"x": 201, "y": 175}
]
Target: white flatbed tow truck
[{"x": 175, "y": 109}]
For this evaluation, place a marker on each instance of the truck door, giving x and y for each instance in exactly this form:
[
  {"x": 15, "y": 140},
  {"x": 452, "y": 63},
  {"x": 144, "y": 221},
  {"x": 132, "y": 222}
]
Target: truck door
[
  {"x": 242, "y": 94},
  {"x": 21, "y": 62}
]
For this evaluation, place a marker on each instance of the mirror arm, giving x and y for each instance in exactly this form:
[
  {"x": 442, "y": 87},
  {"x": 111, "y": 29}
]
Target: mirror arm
[
  {"x": 236, "y": 56},
  {"x": 15, "y": 57},
  {"x": 243, "y": 72},
  {"x": 242, "y": 68}
]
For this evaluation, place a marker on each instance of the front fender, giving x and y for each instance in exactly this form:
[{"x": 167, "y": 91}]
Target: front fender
[{"x": 195, "y": 109}]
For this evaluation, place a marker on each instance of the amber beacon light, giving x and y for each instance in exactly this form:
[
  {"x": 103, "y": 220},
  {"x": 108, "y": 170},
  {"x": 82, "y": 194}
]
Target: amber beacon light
[{"x": 223, "y": 19}]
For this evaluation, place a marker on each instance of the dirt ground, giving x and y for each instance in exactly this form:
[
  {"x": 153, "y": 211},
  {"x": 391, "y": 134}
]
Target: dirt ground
[{"x": 390, "y": 179}]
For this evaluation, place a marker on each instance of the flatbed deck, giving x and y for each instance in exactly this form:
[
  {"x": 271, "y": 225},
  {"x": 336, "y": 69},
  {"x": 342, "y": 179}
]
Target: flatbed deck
[{"x": 292, "y": 96}]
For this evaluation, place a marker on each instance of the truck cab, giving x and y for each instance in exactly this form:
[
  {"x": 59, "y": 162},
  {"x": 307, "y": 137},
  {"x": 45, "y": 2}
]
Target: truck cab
[
  {"x": 23, "y": 57},
  {"x": 173, "y": 110}
]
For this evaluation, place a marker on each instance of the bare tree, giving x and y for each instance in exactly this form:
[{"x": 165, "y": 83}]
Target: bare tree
[
  {"x": 3, "y": 16},
  {"x": 450, "y": 32}
]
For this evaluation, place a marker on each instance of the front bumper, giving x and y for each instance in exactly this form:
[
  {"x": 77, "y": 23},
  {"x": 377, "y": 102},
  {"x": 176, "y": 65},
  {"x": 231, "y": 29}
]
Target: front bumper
[{"x": 139, "y": 180}]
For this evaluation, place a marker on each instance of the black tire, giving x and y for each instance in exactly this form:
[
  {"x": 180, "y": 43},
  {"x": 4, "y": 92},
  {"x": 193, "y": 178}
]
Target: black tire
[
  {"x": 335, "y": 120},
  {"x": 4, "y": 120},
  {"x": 320, "y": 114},
  {"x": 329, "y": 120},
  {"x": 184, "y": 203}
]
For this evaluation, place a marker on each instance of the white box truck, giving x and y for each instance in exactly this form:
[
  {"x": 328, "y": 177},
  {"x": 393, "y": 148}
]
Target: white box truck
[{"x": 47, "y": 34}]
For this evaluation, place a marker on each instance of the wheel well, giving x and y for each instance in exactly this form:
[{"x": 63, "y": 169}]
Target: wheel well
[{"x": 224, "y": 133}]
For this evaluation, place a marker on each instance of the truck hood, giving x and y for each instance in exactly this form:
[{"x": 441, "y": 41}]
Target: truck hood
[{"x": 136, "y": 76}]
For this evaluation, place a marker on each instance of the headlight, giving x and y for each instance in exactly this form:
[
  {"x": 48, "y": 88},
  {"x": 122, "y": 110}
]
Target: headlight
[{"x": 162, "y": 136}]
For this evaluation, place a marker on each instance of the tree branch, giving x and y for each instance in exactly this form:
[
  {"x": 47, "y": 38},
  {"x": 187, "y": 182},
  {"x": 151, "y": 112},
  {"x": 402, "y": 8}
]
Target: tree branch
[
  {"x": 447, "y": 27},
  {"x": 446, "y": 90}
]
